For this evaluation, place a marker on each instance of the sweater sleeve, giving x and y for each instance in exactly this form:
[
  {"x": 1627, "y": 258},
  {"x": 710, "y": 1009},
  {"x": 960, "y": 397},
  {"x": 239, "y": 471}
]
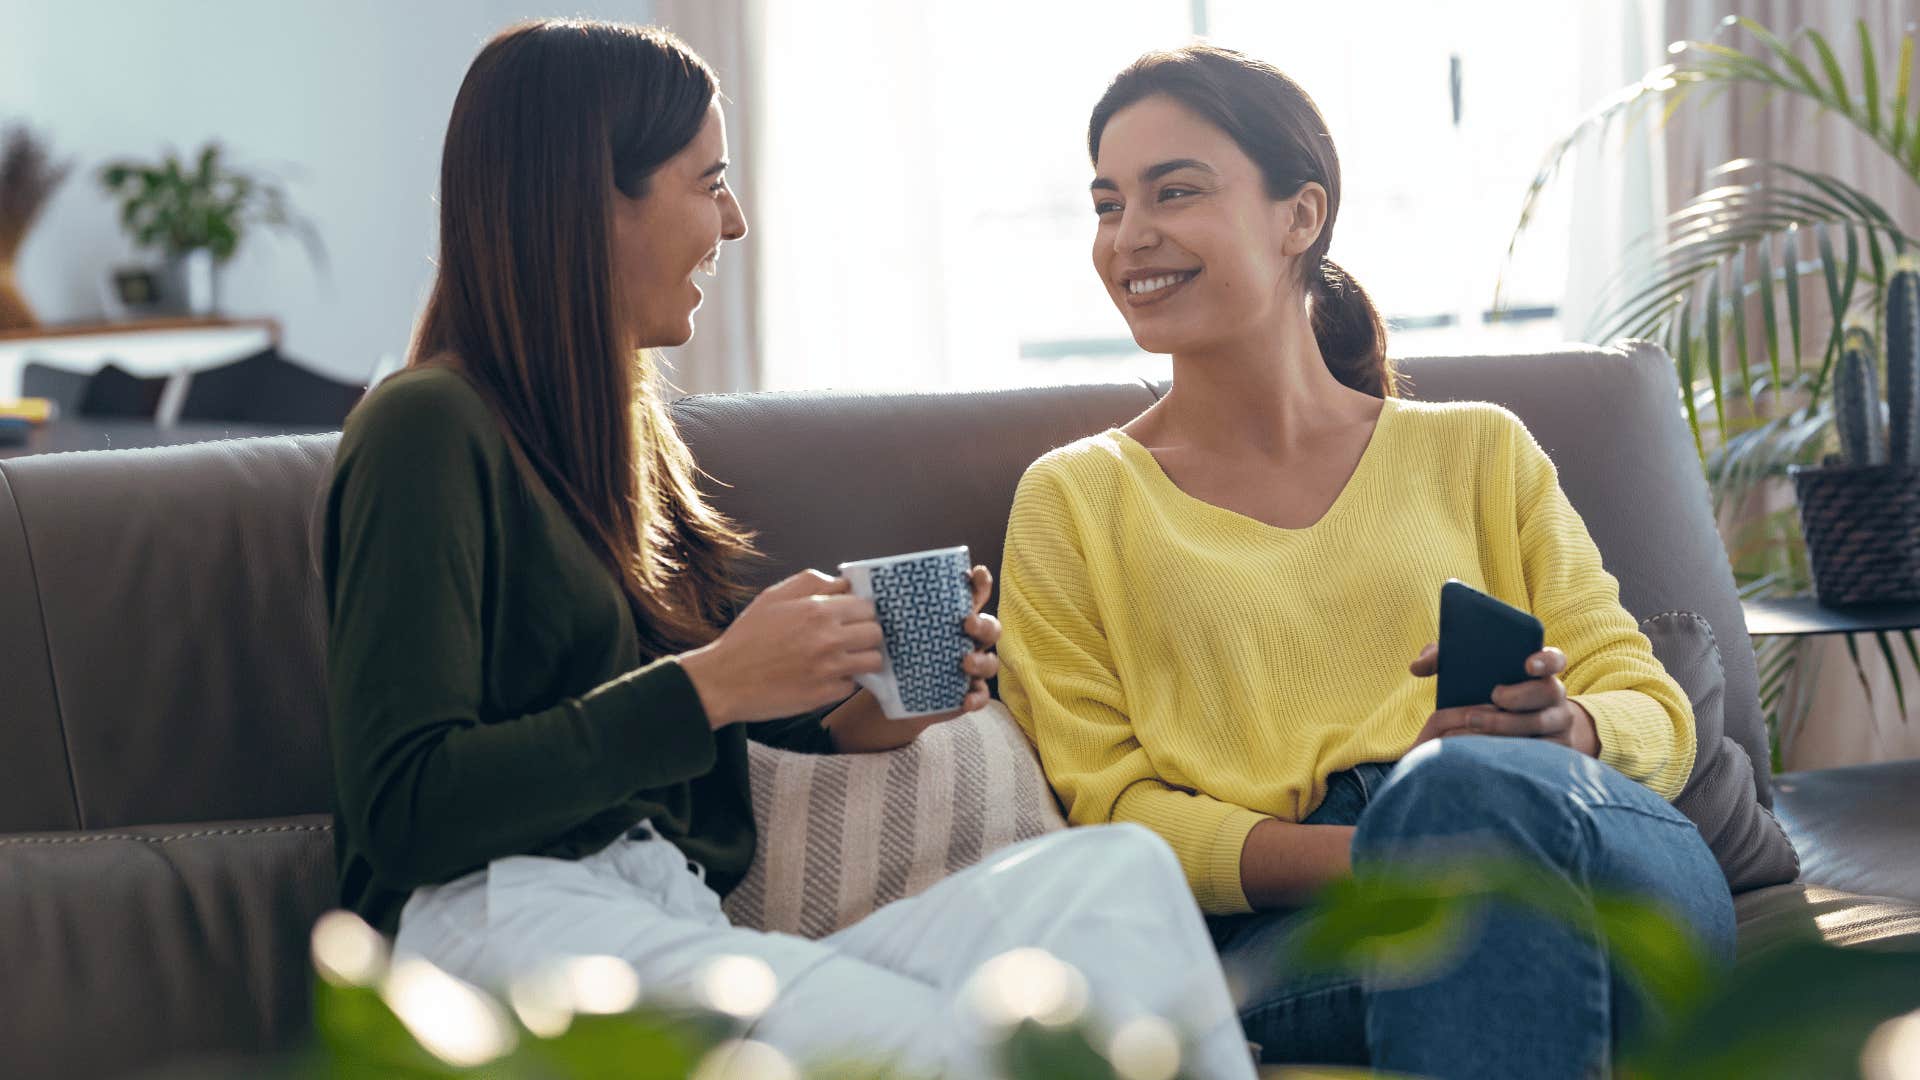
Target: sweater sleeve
[
  {"x": 429, "y": 789},
  {"x": 803, "y": 734},
  {"x": 1057, "y": 677},
  {"x": 1643, "y": 718}
]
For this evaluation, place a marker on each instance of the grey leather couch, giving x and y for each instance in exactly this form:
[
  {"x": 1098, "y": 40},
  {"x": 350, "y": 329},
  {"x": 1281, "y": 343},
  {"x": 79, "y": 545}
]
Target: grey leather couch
[{"x": 165, "y": 839}]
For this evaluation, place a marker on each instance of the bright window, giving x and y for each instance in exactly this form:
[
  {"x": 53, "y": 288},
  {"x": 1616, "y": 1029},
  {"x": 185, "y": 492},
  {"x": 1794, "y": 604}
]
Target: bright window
[{"x": 928, "y": 223}]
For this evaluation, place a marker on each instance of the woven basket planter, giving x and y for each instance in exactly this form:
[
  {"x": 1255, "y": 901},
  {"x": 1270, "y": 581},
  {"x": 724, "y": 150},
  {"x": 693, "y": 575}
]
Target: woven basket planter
[{"x": 1862, "y": 525}]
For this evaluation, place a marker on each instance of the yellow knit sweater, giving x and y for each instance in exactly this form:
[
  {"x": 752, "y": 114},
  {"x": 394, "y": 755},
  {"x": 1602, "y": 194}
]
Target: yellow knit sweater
[{"x": 1191, "y": 669}]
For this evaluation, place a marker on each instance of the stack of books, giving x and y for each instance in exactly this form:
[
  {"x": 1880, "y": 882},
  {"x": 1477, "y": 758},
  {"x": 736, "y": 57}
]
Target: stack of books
[{"x": 19, "y": 418}]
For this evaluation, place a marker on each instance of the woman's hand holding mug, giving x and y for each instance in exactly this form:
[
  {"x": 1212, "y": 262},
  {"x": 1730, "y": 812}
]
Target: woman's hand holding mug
[{"x": 795, "y": 648}]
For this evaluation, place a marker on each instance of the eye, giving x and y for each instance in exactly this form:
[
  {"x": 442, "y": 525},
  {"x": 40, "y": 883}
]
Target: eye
[
  {"x": 1104, "y": 207},
  {"x": 1168, "y": 194},
  {"x": 717, "y": 187}
]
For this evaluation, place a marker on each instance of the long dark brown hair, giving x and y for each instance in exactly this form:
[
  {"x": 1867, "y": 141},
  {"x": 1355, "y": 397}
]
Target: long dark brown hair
[
  {"x": 552, "y": 119},
  {"x": 1277, "y": 125}
]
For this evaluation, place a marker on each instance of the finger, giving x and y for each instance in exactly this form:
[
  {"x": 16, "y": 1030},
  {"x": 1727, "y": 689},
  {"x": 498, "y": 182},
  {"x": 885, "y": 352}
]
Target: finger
[
  {"x": 1440, "y": 722},
  {"x": 1429, "y": 731},
  {"x": 1530, "y": 696},
  {"x": 1548, "y": 661},
  {"x": 1444, "y": 721},
  {"x": 981, "y": 665},
  {"x": 808, "y": 583},
  {"x": 981, "y": 579},
  {"x": 859, "y": 662},
  {"x": 1427, "y": 663},
  {"x": 1485, "y": 721},
  {"x": 984, "y": 629},
  {"x": 977, "y": 696},
  {"x": 859, "y": 637},
  {"x": 847, "y": 608}
]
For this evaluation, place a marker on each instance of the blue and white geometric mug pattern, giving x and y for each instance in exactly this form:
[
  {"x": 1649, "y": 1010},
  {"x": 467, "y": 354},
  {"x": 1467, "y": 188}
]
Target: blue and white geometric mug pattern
[{"x": 922, "y": 604}]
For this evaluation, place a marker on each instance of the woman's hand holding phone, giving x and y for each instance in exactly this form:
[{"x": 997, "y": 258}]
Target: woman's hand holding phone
[{"x": 1537, "y": 708}]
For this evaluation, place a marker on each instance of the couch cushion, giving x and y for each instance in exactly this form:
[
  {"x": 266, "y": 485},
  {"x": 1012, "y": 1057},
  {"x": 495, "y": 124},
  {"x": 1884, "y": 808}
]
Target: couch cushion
[
  {"x": 842, "y": 835},
  {"x": 1782, "y": 912},
  {"x": 1857, "y": 827},
  {"x": 131, "y": 947},
  {"x": 1751, "y": 847}
]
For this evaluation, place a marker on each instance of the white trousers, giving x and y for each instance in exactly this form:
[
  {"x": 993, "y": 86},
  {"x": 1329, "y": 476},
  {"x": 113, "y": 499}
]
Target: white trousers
[{"x": 1109, "y": 900}]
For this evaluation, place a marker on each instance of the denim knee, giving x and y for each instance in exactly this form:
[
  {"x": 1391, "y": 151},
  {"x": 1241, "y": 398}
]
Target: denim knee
[{"x": 1512, "y": 793}]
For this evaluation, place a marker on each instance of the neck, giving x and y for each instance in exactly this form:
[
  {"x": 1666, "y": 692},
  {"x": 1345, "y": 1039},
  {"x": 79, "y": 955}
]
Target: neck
[{"x": 1264, "y": 392}]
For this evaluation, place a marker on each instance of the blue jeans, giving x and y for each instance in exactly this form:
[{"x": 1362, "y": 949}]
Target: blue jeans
[{"x": 1529, "y": 996}]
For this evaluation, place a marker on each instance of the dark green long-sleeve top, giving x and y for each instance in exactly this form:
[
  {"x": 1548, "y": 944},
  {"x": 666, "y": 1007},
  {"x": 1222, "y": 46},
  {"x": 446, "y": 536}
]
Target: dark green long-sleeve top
[{"x": 487, "y": 691}]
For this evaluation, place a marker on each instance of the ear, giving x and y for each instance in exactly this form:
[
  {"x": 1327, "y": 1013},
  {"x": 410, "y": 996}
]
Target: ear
[{"x": 1303, "y": 215}]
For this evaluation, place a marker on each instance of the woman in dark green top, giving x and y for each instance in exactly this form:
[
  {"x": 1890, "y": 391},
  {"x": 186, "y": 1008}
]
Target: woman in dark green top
[{"x": 542, "y": 672}]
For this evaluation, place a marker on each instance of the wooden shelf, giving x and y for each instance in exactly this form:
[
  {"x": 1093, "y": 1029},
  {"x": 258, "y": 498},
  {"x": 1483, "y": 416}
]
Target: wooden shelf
[{"x": 141, "y": 326}]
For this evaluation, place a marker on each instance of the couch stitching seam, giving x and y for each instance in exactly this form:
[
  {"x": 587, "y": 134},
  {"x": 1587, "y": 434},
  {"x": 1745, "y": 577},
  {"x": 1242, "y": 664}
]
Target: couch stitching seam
[{"x": 12, "y": 840}]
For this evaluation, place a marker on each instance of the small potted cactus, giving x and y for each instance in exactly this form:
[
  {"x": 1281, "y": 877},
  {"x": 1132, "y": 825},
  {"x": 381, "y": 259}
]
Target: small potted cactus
[{"x": 1860, "y": 509}]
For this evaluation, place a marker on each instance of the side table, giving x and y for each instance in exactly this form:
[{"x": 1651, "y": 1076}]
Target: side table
[{"x": 1803, "y": 616}]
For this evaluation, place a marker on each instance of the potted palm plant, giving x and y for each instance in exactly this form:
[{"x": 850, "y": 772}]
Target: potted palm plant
[
  {"x": 1860, "y": 509},
  {"x": 1751, "y": 283},
  {"x": 196, "y": 214}
]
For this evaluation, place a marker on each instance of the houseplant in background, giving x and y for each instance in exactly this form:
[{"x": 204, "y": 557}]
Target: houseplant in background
[
  {"x": 196, "y": 214},
  {"x": 1860, "y": 509},
  {"x": 1751, "y": 283},
  {"x": 28, "y": 176}
]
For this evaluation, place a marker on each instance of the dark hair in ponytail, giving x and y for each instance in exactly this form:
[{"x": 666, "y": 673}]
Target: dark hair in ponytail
[{"x": 1277, "y": 125}]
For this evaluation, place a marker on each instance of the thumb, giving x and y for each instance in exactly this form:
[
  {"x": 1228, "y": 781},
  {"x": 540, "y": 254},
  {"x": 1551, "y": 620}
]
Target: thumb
[{"x": 1427, "y": 663}]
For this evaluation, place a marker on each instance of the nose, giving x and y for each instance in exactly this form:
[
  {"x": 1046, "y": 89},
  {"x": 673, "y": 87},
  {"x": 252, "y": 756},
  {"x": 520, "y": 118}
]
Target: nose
[
  {"x": 1136, "y": 232},
  {"x": 733, "y": 222}
]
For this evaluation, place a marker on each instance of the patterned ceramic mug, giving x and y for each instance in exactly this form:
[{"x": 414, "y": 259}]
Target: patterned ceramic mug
[{"x": 922, "y": 600}]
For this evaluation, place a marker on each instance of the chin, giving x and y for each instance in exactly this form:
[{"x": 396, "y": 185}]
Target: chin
[
  {"x": 668, "y": 337},
  {"x": 1159, "y": 341}
]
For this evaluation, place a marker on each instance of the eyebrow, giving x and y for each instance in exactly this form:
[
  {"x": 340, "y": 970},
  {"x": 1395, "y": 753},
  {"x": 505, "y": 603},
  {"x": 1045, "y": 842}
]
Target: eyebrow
[
  {"x": 715, "y": 169},
  {"x": 1154, "y": 172}
]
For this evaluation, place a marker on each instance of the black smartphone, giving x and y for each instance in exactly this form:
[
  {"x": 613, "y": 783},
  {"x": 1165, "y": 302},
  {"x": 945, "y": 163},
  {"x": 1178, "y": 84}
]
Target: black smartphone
[{"x": 1483, "y": 644}]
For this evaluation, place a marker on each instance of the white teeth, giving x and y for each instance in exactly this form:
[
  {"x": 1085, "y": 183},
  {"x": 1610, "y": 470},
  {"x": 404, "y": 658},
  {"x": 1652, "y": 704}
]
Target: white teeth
[
  {"x": 1147, "y": 285},
  {"x": 711, "y": 264}
]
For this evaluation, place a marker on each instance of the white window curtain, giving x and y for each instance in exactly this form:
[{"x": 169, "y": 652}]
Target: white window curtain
[
  {"x": 1618, "y": 184},
  {"x": 724, "y": 355}
]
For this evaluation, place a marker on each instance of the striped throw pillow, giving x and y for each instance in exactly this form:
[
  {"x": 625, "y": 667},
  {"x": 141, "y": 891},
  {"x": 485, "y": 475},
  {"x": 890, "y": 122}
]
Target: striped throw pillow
[{"x": 841, "y": 835}]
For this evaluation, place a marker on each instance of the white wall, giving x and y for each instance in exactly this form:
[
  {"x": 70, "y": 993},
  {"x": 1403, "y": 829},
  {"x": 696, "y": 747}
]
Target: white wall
[{"x": 347, "y": 99}]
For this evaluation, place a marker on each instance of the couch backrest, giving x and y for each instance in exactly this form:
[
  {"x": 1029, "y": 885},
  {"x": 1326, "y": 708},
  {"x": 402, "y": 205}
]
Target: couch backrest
[
  {"x": 161, "y": 639},
  {"x": 161, "y": 655}
]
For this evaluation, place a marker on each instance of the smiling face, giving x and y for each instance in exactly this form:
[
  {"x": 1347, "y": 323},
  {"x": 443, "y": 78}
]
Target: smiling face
[
  {"x": 1190, "y": 246},
  {"x": 671, "y": 232}
]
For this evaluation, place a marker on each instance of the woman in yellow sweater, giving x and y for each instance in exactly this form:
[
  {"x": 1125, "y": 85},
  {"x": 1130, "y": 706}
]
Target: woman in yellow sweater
[{"x": 1210, "y": 612}]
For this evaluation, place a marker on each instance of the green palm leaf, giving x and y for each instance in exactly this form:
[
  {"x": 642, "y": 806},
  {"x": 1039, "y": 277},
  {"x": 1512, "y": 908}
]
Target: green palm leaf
[
  {"x": 1869, "y": 74},
  {"x": 1899, "y": 132},
  {"x": 1712, "y": 328},
  {"x": 1893, "y": 669}
]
